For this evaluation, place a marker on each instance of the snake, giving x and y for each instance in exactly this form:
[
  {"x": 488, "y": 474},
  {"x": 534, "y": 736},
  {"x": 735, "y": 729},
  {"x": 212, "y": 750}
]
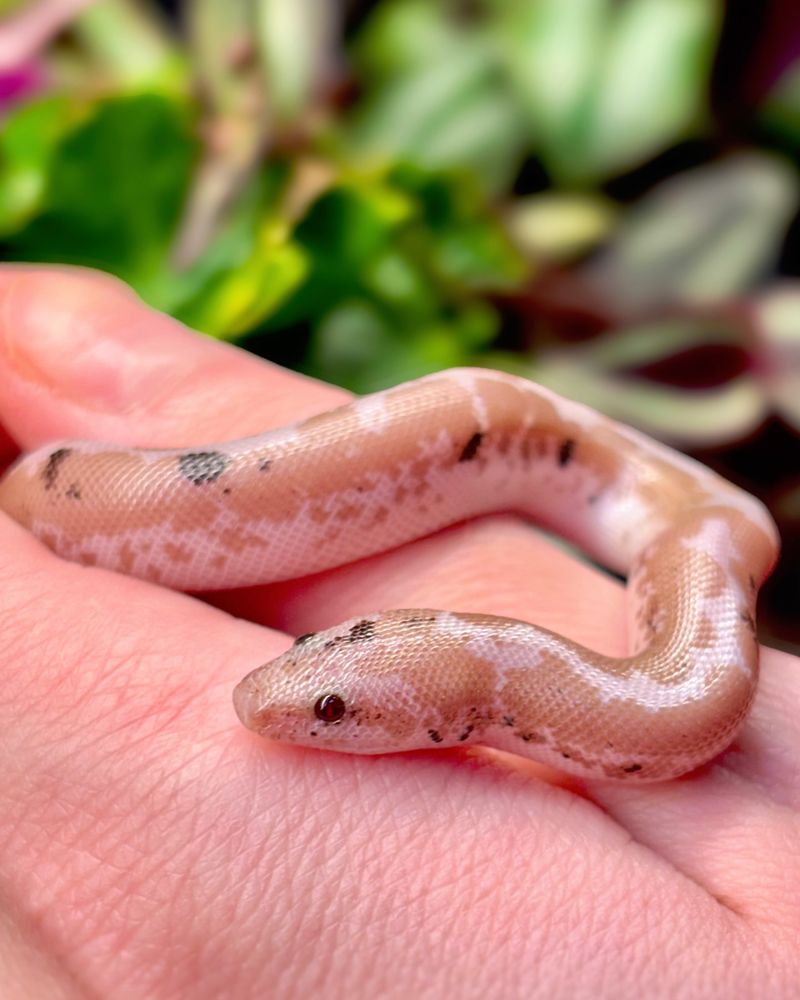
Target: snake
[{"x": 401, "y": 464}]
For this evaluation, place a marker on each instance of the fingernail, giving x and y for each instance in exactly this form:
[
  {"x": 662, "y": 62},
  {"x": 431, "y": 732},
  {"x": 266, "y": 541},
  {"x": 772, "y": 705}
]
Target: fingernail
[{"x": 83, "y": 338}]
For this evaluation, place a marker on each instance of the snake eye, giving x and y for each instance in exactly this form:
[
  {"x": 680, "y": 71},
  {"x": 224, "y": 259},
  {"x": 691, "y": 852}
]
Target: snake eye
[{"x": 329, "y": 708}]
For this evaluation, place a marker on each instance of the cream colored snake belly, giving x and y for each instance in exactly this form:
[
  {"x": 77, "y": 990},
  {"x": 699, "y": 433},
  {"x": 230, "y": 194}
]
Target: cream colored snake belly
[{"x": 399, "y": 465}]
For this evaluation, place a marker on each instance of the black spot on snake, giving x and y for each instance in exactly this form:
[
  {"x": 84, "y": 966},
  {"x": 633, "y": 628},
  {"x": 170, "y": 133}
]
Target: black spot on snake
[
  {"x": 304, "y": 638},
  {"x": 470, "y": 449},
  {"x": 565, "y": 452},
  {"x": 435, "y": 735},
  {"x": 414, "y": 620},
  {"x": 264, "y": 464},
  {"x": 632, "y": 768},
  {"x": 463, "y": 736},
  {"x": 50, "y": 471},
  {"x": 508, "y": 720},
  {"x": 361, "y": 630},
  {"x": 74, "y": 492},
  {"x": 330, "y": 708},
  {"x": 201, "y": 467}
]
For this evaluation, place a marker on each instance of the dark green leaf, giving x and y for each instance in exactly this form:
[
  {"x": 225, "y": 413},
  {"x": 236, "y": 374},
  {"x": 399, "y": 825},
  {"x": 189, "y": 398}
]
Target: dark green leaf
[
  {"x": 781, "y": 110},
  {"x": 115, "y": 189},
  {"x": 29, "y": 142}
]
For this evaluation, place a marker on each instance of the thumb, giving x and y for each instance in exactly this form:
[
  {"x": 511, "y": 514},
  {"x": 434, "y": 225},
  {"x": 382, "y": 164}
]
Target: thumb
[{"x": 82, "y": 356}]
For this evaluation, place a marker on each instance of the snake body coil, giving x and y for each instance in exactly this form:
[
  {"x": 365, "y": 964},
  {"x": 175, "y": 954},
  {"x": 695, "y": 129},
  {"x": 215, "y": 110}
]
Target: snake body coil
[{"x": 397, "y": 466}]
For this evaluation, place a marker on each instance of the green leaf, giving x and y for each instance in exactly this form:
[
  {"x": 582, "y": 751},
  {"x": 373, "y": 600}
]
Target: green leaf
[
  {"x": 411, "y": 105},
  {"x": 359, "y": 346},
  {"x": 687, "y": 417},
  {"x": 701, "y": 236},
  {"x": 29, "y": 141},
  {"x": 249, "y": 269},
  {"x": 235, "y": 301},
  {"x": 440, "y": 197},
  {"x": 115, "y": 189},
  {"x": 403, "y": 35},
  {"x": 652, "y": 90},
  {"x": 131, "y": 43},
  {"x": 352, "y": 220},
  {"x": 295, "y": 37},
  {"x": 350, "y": 346},
  {"x": 454, "y": 111},
  {"x": 462, "y": 243},
  {"x": 396, "y": 279},
  {"x": 394, "y": 262},
  {"x": 343, "y": 233},
  {"x": 480, "y": 132},
  {"x": 557, "y": 226},
  {"x": 477, "y": 256},
  {"x": 606, "y": 84},
  {"x": 552, "y": 51},
  {"x": 110, "y": 195}
]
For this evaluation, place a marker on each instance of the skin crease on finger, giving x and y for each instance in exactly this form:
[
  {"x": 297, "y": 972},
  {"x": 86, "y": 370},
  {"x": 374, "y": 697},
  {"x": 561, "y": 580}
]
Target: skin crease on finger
[{"x": 155, "y": 847}]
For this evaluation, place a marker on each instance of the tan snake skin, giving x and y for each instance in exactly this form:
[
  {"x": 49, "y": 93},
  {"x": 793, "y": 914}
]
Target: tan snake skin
[{"x": 399, "y": 465}]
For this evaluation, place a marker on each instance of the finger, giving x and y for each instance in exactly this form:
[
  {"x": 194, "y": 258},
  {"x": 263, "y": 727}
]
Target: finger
[
  {"x": 730, "y": 825},
  {"x": 81, "y": 356},
  {"x": 767, "y": 750}
]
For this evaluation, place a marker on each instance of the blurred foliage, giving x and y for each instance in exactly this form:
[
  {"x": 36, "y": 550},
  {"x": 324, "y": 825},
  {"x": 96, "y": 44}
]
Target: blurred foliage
[
  {"x": 593, "y": 86},
  {"x": 397, "y": 265},
  {"x": 781, "y": 112},
  {"x": 370, "y": 191}
]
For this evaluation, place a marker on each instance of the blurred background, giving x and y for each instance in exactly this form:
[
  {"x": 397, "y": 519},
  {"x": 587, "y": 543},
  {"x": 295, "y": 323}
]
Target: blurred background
[{"x": 601, "y": 195}]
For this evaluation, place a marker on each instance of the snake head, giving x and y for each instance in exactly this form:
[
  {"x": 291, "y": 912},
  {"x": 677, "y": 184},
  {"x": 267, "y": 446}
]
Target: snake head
[{"x": 371, "y": 685}]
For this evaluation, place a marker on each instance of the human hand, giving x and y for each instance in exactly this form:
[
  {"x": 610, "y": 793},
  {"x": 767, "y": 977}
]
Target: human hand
[{"x": 151, "y": 847}]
